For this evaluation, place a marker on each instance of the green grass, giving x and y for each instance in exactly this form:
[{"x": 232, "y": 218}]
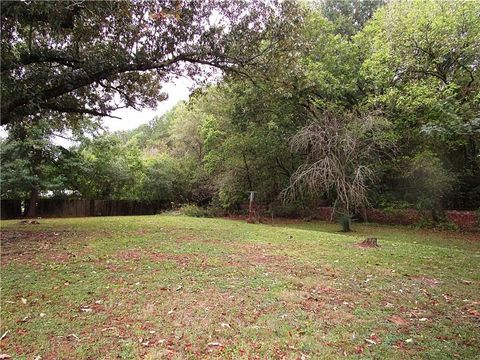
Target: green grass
[{"x": 176, "y": 287}]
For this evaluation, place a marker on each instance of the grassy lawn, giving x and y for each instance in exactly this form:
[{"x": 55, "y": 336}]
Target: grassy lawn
[{"x": 173, "y": 287}]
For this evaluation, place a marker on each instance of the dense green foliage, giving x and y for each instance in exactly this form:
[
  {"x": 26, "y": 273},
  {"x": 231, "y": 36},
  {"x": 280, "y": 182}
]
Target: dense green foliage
[
  {"x": 422, "y": 69},
  {"x": 414, "y": 66}
]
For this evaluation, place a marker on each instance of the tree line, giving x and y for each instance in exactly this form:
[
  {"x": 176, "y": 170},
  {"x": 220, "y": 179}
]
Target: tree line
[{"x": 349, "y": 104}]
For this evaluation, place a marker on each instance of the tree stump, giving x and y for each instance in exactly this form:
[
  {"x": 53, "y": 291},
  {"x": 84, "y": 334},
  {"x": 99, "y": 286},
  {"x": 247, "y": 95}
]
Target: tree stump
[{"x": 369, "y": 243}]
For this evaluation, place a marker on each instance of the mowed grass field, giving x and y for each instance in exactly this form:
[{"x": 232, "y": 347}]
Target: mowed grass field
[{"x": 173, "y": 287}]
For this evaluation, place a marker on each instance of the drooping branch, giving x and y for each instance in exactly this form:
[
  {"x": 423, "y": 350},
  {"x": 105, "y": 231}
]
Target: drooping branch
[
  {"x": 80, "y": 110},
  {"x": 341, "y": 150},
  {"x": 81, "y": 79}
]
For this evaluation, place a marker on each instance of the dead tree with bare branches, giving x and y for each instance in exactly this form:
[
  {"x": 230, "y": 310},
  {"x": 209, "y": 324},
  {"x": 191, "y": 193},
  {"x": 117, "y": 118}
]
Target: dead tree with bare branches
[{"x": 340, "y": 153}]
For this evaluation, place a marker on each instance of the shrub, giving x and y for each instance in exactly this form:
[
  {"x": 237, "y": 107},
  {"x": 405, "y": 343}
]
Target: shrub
[
  {"x": 428, "y": 223},
  {"x": 432, "y": 182},
  {"x": 193, "y": 211},
  {"x": 345, "y": 222}
]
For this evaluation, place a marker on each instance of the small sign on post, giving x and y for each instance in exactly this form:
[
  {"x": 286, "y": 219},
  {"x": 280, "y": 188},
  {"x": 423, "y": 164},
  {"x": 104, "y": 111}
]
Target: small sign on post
[{"x": 251, "y": 205}]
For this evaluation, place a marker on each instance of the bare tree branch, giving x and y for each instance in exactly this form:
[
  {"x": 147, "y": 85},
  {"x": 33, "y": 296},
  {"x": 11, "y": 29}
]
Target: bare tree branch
[{"x": 341, "y": 150}]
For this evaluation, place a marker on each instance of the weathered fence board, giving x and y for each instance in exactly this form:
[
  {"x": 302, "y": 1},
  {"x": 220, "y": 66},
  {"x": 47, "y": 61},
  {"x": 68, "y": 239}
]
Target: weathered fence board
[{"x": 11, "y": 209}]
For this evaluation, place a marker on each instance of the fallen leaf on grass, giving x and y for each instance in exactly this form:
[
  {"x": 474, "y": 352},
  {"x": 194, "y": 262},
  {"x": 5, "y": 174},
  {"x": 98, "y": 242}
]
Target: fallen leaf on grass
[
  {"x": 24, "y": 301},
  {"x": 214, "y": 344},
  {"x": 144, "y": 342},
  {"x": 447, "y": 298},
  {"x": 397, "y": 320},
  {"x": 359, "y": 349},
  {"x": 474, "y": 313},
  {"x": 171, "y": 311},
  {"x": 373, "y": 340},
  {"x": 25, "y": 319},
  {"x": 473, "y": 302},
  {"x": 109, "y": 328},
  {"x": 470, "y": 308},
  {"x": 73, "y": 336},
  {"x": 4, "y": 335}
]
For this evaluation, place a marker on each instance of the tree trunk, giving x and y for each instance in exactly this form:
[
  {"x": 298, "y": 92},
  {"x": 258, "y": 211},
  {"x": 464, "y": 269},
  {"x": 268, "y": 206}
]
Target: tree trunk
[
  {"x": 438, "y": 214},
  {"x": 32, "y": 203}
]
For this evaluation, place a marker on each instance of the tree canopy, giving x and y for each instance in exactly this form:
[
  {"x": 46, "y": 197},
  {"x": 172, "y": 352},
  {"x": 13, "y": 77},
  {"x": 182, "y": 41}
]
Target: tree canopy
[{"x": 69, "y": 58}]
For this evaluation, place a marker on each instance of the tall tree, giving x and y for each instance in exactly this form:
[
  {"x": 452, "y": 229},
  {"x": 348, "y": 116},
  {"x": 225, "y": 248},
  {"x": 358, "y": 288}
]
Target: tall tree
[
  {"x": 33, "y": 164},
  {"x": 64, "y": 59}
]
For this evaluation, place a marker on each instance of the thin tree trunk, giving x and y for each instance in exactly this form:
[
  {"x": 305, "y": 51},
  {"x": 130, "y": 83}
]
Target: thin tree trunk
[
  {"x": 248, "y": 171},
  {"x": 32, "y": 203}
]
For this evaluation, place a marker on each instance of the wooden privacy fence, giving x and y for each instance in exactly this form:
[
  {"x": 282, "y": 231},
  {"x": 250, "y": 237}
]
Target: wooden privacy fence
[{"x": 12, "y": 209}]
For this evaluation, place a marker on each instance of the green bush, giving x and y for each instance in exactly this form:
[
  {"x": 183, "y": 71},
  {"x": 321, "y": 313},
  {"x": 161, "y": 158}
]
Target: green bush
[
  {"x": 428, "y": 223},
  {"x": 194, "y": 211},
  {"x": 345, "y": 223}
]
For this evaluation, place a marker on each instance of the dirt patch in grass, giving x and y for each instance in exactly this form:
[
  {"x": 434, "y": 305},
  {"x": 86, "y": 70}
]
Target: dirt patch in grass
[
  {"x": 473, "y": 309},
  {"x": 138, "y": 255},
  {"x": 207, "y": 321},
  {"x": 247, "y": 256},
  {"x": 10, "y": 237},
  {"x": 180, "y": 259},
  {"x": 426, "y": 280},
  {"x": 26, "y": 246},
  {"x": 130, "y": 255},
  {"x": 249, "y": 260},
  {"x": 61, "y": 347},
  {"x": 60, "y": 257},
  {"x": 187, "y": 239}
]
